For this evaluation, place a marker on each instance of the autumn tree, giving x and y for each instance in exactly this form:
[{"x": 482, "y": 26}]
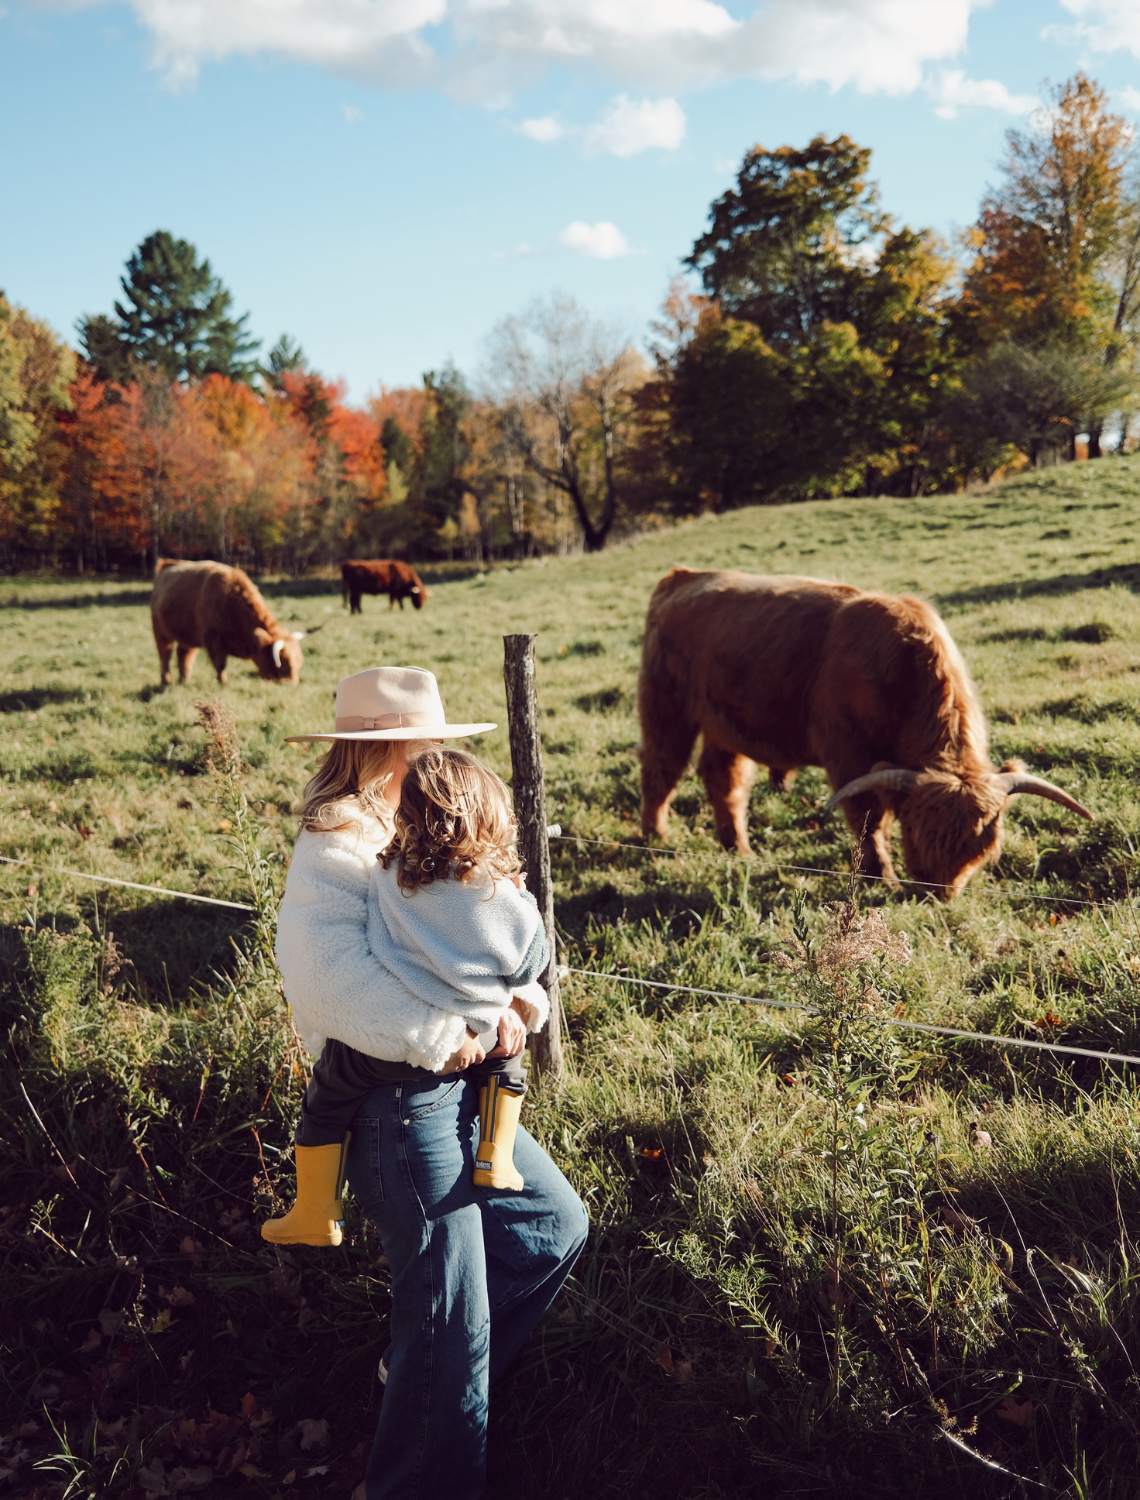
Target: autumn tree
[
  {"x": 566, "y": 385},
  {"x": 175, "y": 316},
  {"x": 1052, "y": 265},
  {"x": 35, "y": 376}
]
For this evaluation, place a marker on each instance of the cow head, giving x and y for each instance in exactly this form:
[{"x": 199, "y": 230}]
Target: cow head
[
  {"x": 419, "y": 594},
  {"x": 278, "y": 657},
  {"x": 951, "y": 822}
]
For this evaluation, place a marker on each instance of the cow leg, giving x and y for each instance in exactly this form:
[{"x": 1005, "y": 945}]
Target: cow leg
[
  {"x": 164, "y": 648},
  {"x": 354, "y": 605},
  {"x": 667, "y": 740},
  {"x": 217, "y": 655},
  {"x": 728, "y": 781},
  {"x": 186, "y": 655}
]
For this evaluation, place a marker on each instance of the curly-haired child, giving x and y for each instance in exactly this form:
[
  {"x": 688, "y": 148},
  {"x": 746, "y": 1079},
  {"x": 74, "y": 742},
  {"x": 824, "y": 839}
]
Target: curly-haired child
[{"x": 451, "y": 920}]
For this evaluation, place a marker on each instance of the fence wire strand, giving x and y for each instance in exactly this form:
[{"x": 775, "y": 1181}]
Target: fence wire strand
[
  {"x": 899, "y": 1022},
  {"x": 779, "y": 869},
  {"x": 129, "y": 885}
]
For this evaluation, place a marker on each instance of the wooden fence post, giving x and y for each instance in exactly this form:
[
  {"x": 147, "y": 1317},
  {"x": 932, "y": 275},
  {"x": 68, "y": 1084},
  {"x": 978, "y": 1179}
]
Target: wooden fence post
[{"x": 530, "y": 810}]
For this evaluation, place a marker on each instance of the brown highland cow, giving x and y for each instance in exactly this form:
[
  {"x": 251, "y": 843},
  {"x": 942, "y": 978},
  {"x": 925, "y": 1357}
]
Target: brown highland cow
[
  {"x": 793, "y": 672},
  {"x": 209, "y": 604}
]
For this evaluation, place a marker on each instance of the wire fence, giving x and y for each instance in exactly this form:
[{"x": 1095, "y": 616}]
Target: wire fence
[
  {"x": 770, "y": 1002},
  {"x": 656, "y": 850}
]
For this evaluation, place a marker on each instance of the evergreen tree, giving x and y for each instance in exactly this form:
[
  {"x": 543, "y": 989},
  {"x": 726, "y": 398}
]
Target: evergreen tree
[
  {"x": 175, "y": 316},
  {"x": 285, "y": 358}
]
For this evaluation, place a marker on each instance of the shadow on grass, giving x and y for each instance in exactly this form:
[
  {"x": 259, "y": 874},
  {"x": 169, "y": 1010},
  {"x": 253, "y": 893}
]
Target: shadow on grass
[
  {"x": 1127, "y": 574},
  {"x": 133, "y": 596},
  {"x": 168, "y": 953},
  {"x": 672, "y": 912},
  {"x": 28, "y": 700}
]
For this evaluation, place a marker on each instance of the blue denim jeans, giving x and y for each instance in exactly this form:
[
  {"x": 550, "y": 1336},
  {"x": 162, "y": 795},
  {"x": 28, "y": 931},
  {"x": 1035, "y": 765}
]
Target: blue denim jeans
[{"x": 473, "y": 1270}]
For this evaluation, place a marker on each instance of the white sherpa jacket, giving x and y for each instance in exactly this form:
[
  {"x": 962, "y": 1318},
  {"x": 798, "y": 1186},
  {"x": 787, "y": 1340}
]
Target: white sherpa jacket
[{"x": 333, "y": 983}]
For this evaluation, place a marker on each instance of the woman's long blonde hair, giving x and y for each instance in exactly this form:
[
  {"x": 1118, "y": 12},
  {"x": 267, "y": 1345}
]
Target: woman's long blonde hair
[
  {"x": 352, "y": 779},
  {"x": 454, "y": 819}
]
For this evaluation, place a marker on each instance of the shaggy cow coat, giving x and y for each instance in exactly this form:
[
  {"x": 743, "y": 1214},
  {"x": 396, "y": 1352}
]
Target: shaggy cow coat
[
  {"x": 790, "y": 671},
  {"x": 211, "y": 605}
]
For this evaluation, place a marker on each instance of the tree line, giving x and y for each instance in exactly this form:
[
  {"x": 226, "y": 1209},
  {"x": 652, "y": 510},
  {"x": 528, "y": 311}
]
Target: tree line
[{"x": 815, "y": 347}]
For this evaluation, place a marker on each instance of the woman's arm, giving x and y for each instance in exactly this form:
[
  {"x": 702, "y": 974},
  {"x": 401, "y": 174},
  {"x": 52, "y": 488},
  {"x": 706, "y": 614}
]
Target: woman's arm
[{"x": 333, "y": 983}]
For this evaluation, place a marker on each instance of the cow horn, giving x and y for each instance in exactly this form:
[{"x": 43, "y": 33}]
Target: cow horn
[
  {"x": 278, "y": 648},
  {"x": 1021, "y": 781},
  {"x": 886, "y": 778}
]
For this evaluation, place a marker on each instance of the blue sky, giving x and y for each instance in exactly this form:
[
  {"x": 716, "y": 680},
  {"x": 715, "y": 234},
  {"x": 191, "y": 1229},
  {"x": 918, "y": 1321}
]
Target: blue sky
[{"x": 385, "y": 179}]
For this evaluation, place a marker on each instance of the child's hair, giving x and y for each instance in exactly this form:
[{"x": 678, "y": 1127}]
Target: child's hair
[
  {"x": 354, "y": 772},
  {"x": 454, "y": 818}
]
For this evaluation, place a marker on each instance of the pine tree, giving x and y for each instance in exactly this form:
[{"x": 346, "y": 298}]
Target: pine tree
[{"x": 175, "y": 316}]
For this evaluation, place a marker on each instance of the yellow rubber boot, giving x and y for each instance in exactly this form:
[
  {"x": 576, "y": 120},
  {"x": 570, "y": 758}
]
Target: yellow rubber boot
[
  {"x": 315, "y": 1217},
  {"x": 499, "y": 1110}
]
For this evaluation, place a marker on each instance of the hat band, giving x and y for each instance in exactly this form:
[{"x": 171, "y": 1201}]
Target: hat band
[{"x": 348, "y": 723}]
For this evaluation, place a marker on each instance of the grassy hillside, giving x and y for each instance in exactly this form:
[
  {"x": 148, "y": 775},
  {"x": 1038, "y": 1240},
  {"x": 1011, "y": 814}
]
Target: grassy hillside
[{"x": 807, "y": 1265}]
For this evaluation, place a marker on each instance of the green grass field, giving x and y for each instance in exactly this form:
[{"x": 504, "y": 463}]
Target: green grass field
[{"x": 807, "y": 1270}]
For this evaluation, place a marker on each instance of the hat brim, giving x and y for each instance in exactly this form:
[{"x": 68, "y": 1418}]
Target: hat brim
[{"x": 417, "y": 732}]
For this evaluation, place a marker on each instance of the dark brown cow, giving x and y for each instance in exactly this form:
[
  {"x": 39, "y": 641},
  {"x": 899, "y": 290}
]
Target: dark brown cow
[
  {"x": 796, "y": 671},
  {"x": 209, "y": 604},
  {"x": 399, "y": 580}
]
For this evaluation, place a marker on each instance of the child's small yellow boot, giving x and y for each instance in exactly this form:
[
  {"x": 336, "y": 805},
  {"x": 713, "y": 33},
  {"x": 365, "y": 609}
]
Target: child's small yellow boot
[
  {"x": 315, "y": 1217},
  {"x": 499, "y": 1110}
]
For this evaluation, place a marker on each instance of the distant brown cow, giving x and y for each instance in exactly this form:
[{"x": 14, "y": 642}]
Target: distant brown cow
[
  {"x": 209, "y": 604},
  {"x": 796, "y": 671},
  {"x": 399, "y": 580}
]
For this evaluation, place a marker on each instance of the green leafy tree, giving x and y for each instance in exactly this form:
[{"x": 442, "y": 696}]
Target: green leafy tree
[
  {"x": 175, "y": 316},
  {"x": 1037, "y": 397},
  {"x": 785, "y": 247}
]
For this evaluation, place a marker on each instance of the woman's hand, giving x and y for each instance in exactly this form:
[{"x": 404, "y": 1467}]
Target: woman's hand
[
  {"x": 512, "y": 1035},
  {"x": 466, "y": 1055}
]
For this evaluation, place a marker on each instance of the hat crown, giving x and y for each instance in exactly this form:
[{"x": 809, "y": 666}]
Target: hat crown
[{"x": 389, "y": 696}]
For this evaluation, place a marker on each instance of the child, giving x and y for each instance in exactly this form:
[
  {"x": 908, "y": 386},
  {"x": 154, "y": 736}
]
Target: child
[{"x": 450, "y": 921}]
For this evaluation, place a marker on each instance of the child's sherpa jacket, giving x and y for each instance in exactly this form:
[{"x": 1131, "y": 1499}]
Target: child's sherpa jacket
[{"x": 337, "y": 986}]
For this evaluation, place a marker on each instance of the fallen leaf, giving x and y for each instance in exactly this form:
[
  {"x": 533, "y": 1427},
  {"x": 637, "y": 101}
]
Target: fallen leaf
[
  {"x": 1019, "y": 1413},
  {"x": 652, "y": 1153},
  {"x": 314, "y": 1432},
  {"x": 664, "y": 1358}
]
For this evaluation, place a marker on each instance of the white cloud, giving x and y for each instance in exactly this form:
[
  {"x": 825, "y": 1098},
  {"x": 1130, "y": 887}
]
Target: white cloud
[
  {"x": 626, "y": 128},
  {"x": 353, "y": 36},
  {"x": 352, "y": 114},
  {"x": 631, "y": 126},
  {"x": 492, "y": 48},
  {"x": 516, "y": 252},
  {"x": 1102, "y": 25},
  {"x": 951, "y": 91},
  {"x": 1130, "y": 98},
  {"x": 543, "y": 128},
  {"x": 600, "y": 241}
]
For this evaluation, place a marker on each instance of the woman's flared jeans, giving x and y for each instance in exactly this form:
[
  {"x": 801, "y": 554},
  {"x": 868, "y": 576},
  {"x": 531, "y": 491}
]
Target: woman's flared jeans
[{"x": 473, "y": 1270}]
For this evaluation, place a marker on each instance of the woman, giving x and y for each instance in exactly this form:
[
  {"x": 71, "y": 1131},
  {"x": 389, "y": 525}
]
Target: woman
[{"x": 473, "y": 1270}]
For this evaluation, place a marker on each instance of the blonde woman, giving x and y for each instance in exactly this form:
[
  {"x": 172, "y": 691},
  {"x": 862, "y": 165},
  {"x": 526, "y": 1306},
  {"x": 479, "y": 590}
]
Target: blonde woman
[{"x": 473, "y": 1268}]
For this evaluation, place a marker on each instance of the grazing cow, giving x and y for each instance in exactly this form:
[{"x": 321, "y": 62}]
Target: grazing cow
[
  {"x": 399, "y": 580},
  {"x": 209, "y": 604},
  {"x": 796, "y": 671}
]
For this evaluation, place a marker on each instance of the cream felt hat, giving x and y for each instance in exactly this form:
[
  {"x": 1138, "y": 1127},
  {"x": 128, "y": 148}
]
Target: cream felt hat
[{"x": 391, "y": 703}]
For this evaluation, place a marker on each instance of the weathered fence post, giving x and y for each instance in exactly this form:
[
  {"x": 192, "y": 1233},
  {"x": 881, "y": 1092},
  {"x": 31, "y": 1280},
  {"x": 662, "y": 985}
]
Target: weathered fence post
[{"x": 530, "y": 810}]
